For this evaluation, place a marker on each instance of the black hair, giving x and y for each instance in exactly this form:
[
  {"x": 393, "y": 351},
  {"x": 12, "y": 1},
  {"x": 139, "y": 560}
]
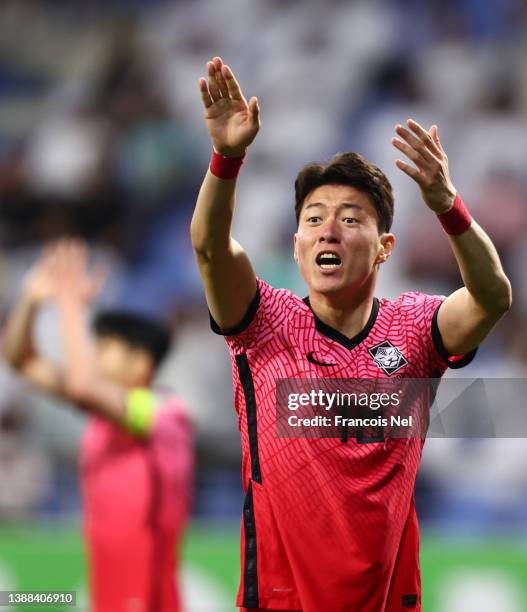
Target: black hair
[
  {"x": 136, "y": 330},
  {"x": 348, "y": 169}
]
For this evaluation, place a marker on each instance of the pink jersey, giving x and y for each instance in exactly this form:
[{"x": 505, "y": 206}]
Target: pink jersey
[
  {"x": 136, "y": 502},
  {"x": 327, "y": 524}
]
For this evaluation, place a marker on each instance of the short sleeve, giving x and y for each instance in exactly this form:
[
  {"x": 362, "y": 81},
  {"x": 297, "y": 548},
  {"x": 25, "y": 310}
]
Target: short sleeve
[
  {"x": 264, "y": 316},
  {"x": 246, "y": 321},
  {"x": 452, "y": 361},
  {"x": 421, "y": 321}
]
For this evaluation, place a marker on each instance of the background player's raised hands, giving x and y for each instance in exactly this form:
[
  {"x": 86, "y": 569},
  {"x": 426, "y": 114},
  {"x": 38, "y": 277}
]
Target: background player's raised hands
[
  {"x": 62, "y": 274},
  {"x": 424, "y": 149},
  {"x": 39, "y": 284},
  {"x": 231, "y": 121}
]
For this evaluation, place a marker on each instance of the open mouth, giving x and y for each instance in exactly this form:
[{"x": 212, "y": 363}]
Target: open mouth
[{"x": 328, "y": 260}]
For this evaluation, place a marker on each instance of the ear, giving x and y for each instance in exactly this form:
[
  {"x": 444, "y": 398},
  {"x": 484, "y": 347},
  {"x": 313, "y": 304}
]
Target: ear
[
  {"x": 295, "y": 247},
  {"x": 387, "y": 244}
]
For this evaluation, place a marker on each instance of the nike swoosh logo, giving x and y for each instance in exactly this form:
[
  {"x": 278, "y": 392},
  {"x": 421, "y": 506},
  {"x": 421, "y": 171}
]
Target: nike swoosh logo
[{"x": 314, "y": 361}]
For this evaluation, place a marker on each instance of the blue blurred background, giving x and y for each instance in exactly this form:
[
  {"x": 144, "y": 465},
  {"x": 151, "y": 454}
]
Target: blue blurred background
[{"x": 101, "y": 134}]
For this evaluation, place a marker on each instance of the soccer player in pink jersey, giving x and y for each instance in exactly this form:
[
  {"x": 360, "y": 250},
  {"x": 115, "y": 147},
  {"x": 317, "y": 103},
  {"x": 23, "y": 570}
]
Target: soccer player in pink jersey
[
  {"x": 329, "y": 525},
  {"x": 137, "y": 453}
]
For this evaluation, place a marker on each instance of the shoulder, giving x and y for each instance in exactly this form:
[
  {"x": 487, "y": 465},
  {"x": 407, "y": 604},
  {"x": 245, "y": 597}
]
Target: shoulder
[
  {"x": 282, "y": 313},
  {"x": 269, "y": 308},
  {"x": 413, "y": 304},
  {"x": 171, "y": 409},
  {"x": 282, "y": 298},
  {"x": 414, "y": 315},
  {"x": 417, "y": 298},
  {"x": 170, "y": 402}
]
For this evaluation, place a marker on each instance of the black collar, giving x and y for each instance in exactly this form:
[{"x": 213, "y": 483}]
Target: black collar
[{"x": 334, "y": 334}]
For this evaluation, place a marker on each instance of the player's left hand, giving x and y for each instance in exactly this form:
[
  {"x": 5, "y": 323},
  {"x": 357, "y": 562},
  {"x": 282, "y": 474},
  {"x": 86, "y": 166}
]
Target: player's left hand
[{"x": 424, "y": 149}]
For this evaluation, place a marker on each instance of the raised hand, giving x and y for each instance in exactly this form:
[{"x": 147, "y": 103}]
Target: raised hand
[
  {"x": 231, "y": 121},
  {"x": 424, "y": 149},
  {"x": 61, "y": 274},
  {"x": 74, "y": 280},
  {"x": 39, "y": 284}
]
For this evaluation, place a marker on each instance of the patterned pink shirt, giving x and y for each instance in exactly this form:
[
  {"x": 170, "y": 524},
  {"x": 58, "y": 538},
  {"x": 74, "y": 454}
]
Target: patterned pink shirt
[
  {"x": 328, "y": 525},
  {"x": 136, "y": 502}
]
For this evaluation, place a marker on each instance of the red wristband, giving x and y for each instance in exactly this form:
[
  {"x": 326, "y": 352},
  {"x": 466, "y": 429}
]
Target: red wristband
[
  {"x": 225, "y": 167},
  {"x": 457, "y": 220}
]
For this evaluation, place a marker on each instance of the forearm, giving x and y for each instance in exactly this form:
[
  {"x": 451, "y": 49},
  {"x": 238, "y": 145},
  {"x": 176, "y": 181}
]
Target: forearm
[
  {"x": 17, "y": 341},
  {"x": 77, "y": 346},
  {"x": 481, "y": 269},
  {"x": 81, "y": 383},
  {"x": 211, "y": 224}
]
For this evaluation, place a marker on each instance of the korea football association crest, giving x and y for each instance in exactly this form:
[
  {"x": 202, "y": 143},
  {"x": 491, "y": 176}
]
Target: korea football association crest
[{"x": 388, "y": 357}]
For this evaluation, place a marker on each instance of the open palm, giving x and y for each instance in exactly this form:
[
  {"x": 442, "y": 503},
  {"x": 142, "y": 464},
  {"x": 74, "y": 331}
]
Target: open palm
[
  {"x": 69, "y": 266},
  {"x": 231, "y": 121},
  {"x": 39, "y": 284},
  {"x": 61, "y": 273}
]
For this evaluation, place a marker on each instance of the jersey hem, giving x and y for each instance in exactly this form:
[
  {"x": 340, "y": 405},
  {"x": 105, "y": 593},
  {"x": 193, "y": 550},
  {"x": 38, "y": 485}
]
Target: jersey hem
[{"x": 268, "y": 603}]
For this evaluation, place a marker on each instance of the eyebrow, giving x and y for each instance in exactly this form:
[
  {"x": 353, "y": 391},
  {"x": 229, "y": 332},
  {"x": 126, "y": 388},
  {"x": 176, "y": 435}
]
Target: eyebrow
[{"x": 340, "y": 206}]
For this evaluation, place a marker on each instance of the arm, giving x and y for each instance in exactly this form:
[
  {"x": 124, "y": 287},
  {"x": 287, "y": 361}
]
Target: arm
[
  {"x": 75, "y": 287},
  {"x": 18, "y": 341},
  {"x": 18, "y": 348},
  {"x": 228, "y": 278},
  {"x": 467, "y": 315},
  {"x": 60, "y": 275}
]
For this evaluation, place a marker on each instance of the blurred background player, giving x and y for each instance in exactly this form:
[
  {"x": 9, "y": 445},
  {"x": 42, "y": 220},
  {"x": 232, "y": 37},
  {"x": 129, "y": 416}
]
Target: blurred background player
[
  {"x": 330, "y": 524},
  {"x": 137, "y": 454}
]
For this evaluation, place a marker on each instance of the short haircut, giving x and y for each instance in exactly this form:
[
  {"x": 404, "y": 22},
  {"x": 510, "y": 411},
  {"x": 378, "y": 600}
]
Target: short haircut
[
  {"x": 348, "y": 169},
  {"x": 136, "y": 330}
]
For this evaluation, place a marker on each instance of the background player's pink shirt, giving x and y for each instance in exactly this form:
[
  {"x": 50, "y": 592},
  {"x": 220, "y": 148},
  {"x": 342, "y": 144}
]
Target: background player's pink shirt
[
  {"x": 327, "y": 525},
  {"x": 136, "y": 502}
]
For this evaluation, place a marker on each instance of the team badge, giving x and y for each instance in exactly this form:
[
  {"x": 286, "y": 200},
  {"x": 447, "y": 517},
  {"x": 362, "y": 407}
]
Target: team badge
[{"x": 388, "y": 357}]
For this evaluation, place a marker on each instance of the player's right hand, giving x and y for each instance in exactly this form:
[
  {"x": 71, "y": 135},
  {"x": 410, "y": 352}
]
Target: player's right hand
[
  {"x": 39, "y": 284},
  {"x": 232, "y": 122}
]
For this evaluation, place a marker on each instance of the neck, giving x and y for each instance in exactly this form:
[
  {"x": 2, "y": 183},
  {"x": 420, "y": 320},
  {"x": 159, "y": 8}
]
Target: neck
[{"x": 347, "y": 313}]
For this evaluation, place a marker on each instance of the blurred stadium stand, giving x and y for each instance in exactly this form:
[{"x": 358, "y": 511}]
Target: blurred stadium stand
[{"x": 101, "y": 135}]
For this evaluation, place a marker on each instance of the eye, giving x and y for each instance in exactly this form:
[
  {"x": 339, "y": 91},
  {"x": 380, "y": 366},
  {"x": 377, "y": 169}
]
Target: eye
[
  {"x": 350, "y": 220},
  {"x": 314, "y": 219}
]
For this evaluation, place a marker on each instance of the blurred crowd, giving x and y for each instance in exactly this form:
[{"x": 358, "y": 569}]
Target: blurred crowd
[{"x": 101, "y": 135}]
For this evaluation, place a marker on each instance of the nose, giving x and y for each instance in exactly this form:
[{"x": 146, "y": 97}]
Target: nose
[{"x": 329, "y": 232}]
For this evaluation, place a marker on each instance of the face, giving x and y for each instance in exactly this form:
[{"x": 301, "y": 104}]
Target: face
[
  {"x": 121, "y": 363},
  {"x": 338, "y": 245}
]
